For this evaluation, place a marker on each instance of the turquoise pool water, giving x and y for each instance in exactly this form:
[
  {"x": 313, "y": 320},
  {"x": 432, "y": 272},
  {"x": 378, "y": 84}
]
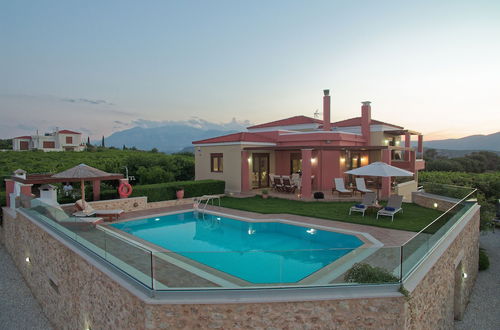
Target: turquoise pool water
[{"x": 270, "y": 252}]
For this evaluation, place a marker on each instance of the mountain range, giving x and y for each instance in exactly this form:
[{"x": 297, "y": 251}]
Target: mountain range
[
  {"x": 489, "y": 142},
  {"x": 177, "y": 136}
]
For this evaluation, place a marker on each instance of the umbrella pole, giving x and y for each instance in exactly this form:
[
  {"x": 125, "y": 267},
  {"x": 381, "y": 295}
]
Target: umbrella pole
[{"x": 83, "y": 190}]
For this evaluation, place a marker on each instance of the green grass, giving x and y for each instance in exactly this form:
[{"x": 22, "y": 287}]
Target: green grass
[{"x": 414, "y": 217}]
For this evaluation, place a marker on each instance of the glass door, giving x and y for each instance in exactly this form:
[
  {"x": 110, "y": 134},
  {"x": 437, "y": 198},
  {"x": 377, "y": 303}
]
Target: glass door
[{"x": 260, "y": 170}]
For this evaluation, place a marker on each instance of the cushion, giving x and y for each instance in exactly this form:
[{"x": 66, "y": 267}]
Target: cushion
[
  {"x": 359, "y": 206},
  {"x": 388, "y": 208}
]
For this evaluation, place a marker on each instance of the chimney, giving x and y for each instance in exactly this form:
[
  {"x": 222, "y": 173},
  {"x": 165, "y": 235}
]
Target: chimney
[
  {"x": 326, "y": 110},
  {"x": 366, "y": 119}
]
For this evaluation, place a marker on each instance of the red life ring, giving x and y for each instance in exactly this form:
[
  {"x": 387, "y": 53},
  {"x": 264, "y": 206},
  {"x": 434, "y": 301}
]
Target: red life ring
[{"x": 125, "y": 189}]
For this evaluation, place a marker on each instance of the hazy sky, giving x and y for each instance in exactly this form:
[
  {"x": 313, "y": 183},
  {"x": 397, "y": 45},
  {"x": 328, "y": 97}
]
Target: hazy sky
[{"x": 99, "y": 66}]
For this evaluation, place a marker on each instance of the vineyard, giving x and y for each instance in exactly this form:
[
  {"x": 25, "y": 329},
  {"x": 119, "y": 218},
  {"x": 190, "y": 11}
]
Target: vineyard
[{"x": 146, "y": 167}]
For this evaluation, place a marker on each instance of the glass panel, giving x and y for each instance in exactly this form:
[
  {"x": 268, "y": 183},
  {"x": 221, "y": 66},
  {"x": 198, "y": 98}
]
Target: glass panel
[{"x": 257, "y": 269}]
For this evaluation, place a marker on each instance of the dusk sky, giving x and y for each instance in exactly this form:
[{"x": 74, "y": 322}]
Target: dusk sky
[{"x": 103, "y": 66}]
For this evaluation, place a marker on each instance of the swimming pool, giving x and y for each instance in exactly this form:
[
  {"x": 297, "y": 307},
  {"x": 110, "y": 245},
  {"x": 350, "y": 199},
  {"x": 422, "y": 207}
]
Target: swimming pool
[{"x": 257, "y": 252}]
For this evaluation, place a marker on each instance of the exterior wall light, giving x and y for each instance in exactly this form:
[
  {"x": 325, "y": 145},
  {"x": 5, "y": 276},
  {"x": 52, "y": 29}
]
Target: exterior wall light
[
  {"x": 464, "y": 275},
  {"x": 28, "y": 260},
  {"x": 386, "y": 142},
  {"x": 398, "y": 142},
  {"x": 435, "y": 205},
  {"x": 314, "y": 160},
  {"x": 249, "y": 159},
  {"x": 342, "y": 159}
]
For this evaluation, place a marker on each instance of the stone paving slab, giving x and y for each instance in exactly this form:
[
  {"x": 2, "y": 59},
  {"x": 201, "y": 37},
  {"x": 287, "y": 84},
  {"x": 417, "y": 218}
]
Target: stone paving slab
[
  {"x": 18, "y": 308},
  {"x": 483, "y": 311}
]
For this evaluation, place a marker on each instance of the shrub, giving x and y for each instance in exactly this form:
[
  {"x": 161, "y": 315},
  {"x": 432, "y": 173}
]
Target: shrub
[
  {"x": 3, "y": 198},
  {"x": 319, "y": 195},
  {"x": 364, "y": 273},
  {"x": 484, "y": 261},
  {"x": 166, "y": 191}
]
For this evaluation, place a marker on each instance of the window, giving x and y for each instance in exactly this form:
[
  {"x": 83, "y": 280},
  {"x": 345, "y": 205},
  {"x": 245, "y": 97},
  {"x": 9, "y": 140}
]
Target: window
[
  {"x": 295, "y": 163},
  {"x": 69, "y": 140},
  {"x": 216, "y": 162},
  {"x": 49, "y": 144},
  {"x": 23, "y": 145}
]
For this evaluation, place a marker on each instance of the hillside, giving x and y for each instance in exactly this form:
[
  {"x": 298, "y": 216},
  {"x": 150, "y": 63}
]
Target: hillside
[{"x": 489, "y": 142}]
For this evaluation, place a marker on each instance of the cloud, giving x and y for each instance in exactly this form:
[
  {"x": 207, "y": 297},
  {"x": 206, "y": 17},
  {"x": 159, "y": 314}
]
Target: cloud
[
  {"x": 234, "y": 124},
  {"x": 87, "y": 101},
  {"x": 26, "y": 127}
]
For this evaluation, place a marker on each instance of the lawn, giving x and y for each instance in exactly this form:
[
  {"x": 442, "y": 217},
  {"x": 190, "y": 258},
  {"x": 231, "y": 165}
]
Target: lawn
[{"x": 414, "y": 217}]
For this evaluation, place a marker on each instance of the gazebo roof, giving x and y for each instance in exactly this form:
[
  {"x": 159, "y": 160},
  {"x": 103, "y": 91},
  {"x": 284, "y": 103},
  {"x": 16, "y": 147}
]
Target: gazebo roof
[{"x": 82, "y": 171}]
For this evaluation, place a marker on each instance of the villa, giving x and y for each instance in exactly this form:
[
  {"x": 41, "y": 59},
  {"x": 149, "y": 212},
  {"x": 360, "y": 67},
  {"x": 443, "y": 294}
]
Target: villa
[
  {"x": 319, "y": 150},
  {"x": 218, "y": 261},
  {"x": 59, "y": 140}
]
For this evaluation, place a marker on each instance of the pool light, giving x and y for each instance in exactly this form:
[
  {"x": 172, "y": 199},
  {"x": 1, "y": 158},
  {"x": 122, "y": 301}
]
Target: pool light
[
  {"x": 157, "y": 219},
  {"x": 251, "y": 231},
  {"x": 311, "y": 231}
]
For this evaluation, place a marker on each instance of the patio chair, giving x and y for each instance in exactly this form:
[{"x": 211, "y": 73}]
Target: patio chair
[
  {"x": 288, "y": 186},
  {"x": 340, "y": 187},
  {"x": 368, "y": 199},
  {"x": 278, "y": 184},
  {"x": 361, "y": 186},
  {"x": 393, "y": 207},
  {"x": 84, "y": 209},
  {"x": 296, "y": 180}
]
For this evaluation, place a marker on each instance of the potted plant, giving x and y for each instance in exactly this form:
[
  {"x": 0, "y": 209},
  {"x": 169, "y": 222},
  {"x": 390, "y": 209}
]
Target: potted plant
[
  {"x": 265, "y": 193},
  {"x": 179, "y": 192}
]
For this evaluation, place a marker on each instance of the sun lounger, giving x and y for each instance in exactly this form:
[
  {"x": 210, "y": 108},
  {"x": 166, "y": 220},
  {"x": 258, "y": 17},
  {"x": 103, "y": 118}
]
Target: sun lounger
[
  {"x": 368, "y": 200},
  {"x": 393, "y": 207},
  {"x": 340, "y": 187},
  {"x": 84, "y": 209},
  {"x": 361, "y": 186}
]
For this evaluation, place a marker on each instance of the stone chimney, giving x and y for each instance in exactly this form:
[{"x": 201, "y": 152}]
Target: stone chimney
[
  {"x": 366, "y": 119},
  {"x": 327, "y": 126}
]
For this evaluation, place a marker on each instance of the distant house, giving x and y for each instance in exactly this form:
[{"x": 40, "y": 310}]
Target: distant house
[
  {"x": 59, "y": 140},
  {"x": 320, "y": 150}
]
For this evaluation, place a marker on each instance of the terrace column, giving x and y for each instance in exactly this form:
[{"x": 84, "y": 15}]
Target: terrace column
[
  {"x": 245, "y": 171},
  {"x": 407, "y": 146},
  {"x": 9, "y": 189},
  {"x": 96, "y": 189},
  {"x": 386, "y": 182},
  {"x": 26, "y": 189},
  {"x": 306, "y": 173},
  {"x": 420, "y": 147}
]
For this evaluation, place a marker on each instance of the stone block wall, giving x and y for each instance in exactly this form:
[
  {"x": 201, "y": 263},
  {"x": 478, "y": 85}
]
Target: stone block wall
[
  {"x": 432, "y": 301},
  {"x": 126, "y": 204},
  {"x": 75, "y": 293},
  {"x": 428, "y": 200},
  {"x": 72, "y": 293}
]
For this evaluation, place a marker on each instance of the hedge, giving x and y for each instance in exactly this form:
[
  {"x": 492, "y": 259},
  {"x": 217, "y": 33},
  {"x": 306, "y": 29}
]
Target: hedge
[
  {"x": 166, "y": 191},
  {"x": 3, "y": 200}
]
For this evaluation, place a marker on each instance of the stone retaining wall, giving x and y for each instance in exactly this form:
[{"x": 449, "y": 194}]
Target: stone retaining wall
[
  {"x": 75, "y": 293},
  {"x": 432, "y": 301},
  {"x": 428, "y": 200}
]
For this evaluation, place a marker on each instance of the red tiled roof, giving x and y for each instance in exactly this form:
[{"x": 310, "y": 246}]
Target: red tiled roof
[
  {"x": 66, "y": 131},
  {"x": 239, "y": 137},
  {"x": 23, "y": 137},
  {"x": 297, "y": 120},
  {"x": 356, "y": 121}
]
